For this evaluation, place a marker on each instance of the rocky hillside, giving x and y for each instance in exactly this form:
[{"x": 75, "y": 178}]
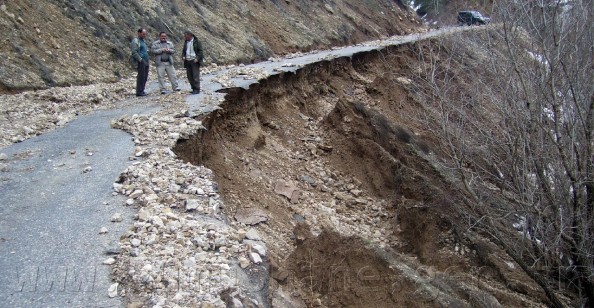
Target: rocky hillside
[{"x": 73, "y": 42}]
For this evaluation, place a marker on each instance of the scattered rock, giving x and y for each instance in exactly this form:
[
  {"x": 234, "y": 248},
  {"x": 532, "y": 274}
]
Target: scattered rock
[
  {"x": 255, "y": 257},
  {"x": 403, "y": 80},
  {"x": 117, "y": 217},
  {"x": 135, "y": 242},
  {"x": 241, "y": 234},
  {"x": 309, "y": 180},
  {"x": 281, "y": 298},
  {"x": 257, "y": 247},
  {"x": 244, "y": 262},
  {"x": 252, "y": 234},
  {"x": 135, "y": 194},
  {"x": 113, "y": 290},
  {"x": 288, "y": 190},
  {"x": 271, "y": 125},
  {"x": 117, "y": 187},
  {"x": 103, "y": 230},
  {"x": 251, "y": 216},
  {"x": 105, "y": 16},
  {"x": 143, "y": 214},
  {"x": 113, "y": 248},
  {"x": 325, "y": 148},
  {"x": 192, "y": 204}
]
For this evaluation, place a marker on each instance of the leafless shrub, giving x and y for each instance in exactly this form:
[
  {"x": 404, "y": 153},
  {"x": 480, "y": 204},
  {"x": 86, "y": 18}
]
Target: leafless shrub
[{"x": 514, "y": 112}]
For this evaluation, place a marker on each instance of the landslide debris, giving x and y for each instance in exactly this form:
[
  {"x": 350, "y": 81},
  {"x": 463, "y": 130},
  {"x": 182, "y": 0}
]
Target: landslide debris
[{"x": 336, "y": 160}]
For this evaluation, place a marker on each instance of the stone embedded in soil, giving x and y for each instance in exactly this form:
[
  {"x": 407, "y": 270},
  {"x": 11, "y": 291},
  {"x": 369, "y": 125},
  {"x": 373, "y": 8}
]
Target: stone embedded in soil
[
  {"x": 285, "y": 188},
  {"x": 135, "y": 242},
  {"x": 243, "y": 262},
  {"x": 241, "y": 234},
  {"x": 192, "y": 204},
  {"x": 296, "y": 196},
  {"x": 252, "y": 234},
  {"x": 135, "y": 194},
  {"x": 255, "y": 257},
  {"x": 251, "y": 216},
  {"x": 257, "y": 247},
  {"x": 308, "y": 179},
  {"x": 143, "y": 214}
]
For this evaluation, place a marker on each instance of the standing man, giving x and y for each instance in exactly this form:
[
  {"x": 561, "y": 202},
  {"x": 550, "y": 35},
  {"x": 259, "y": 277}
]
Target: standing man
[
  {"x": 193, "y": 58},
  {"x": 163, "y": 51},
  {"x": 140, "y": 55}
]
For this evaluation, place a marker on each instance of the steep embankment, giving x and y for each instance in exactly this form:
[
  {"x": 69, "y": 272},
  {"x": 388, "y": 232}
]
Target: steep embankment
[
  {"x": 338, "y": 159},
  {"x": 64, "y": 42}
]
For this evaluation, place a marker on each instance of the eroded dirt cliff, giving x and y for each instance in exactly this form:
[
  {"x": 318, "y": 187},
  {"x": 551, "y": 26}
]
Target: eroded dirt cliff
[{"x": 340, "y": 164}]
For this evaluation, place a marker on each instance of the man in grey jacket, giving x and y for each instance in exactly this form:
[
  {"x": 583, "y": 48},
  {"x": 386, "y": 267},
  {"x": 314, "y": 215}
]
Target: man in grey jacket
[{"x": 163, "y": 51}]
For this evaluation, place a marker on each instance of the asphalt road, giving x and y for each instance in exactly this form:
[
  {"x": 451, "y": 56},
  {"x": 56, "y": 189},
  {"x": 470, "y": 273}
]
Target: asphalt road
[{"x": 51, "y": 210}]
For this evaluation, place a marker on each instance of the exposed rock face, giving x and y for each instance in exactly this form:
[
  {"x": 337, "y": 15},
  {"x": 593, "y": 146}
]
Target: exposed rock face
[{"x": 63, "y": 42}]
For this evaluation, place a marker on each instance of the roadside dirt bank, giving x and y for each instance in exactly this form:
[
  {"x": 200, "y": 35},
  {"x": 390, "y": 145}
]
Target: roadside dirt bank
[{"x": 333, "y": 168}]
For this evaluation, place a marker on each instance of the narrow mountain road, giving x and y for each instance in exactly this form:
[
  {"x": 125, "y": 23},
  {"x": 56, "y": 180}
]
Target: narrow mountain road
[{"x": 56, "y": 195}]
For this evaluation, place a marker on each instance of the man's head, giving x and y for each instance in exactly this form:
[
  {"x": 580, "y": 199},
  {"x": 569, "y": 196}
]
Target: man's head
[
  {"x": 188, "y": 35},
  {"x": 163, "y": 37},
  {"x": 142, "y": 33}
]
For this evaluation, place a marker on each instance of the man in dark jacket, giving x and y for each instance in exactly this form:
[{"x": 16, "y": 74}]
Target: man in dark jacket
[
  {"x": 193, "y": 57},
  {"x": 140, "y": 55}
]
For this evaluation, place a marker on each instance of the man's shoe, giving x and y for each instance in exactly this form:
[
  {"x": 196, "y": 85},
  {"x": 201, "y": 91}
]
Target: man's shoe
[
  {"x": 195, "y": 92},
  {"x": 163, "y": 92},
  {"x": 142, "y": 94},
  {"x": 177, "y": 89}
]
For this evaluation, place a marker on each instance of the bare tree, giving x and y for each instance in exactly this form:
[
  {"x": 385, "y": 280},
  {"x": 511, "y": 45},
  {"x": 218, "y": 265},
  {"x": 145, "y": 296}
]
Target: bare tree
[{"x": 518, "y": 136}]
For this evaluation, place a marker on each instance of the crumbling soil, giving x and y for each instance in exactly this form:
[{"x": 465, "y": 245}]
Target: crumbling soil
[
  {"x": 349, "y": 274},
  {"x": 344, "y": 138}
]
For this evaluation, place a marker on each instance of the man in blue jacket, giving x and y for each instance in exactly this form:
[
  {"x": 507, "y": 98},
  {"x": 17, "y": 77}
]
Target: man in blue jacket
[{"x": 141, "y": 56}]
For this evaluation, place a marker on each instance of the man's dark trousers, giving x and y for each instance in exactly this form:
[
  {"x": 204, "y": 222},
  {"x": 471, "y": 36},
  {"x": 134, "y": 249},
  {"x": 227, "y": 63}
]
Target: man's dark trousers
[
  {"x": 142, "y": 77},
  {"x": 193, "y": 73}
]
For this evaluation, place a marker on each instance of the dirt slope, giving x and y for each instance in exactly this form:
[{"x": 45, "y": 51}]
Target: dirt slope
[
  {"x": 337, "y": 158},
  {"x": 65, "y": 42}
]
